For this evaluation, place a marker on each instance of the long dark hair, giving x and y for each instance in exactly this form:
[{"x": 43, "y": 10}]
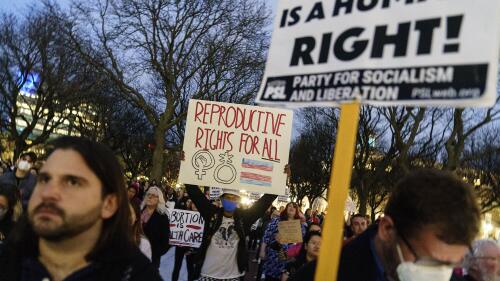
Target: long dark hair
[
  {"x": 115, "y": 235},
  {"x": 137, "y": 231},
  {"x": 9, "y": 191},
  {"x": 303, "y": 253}
]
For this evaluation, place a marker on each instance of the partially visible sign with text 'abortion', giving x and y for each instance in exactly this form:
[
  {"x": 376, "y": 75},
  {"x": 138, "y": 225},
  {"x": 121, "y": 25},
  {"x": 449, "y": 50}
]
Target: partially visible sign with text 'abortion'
[
  {"x": 384, "y": 52},
  {"x": 186, "y": 228},
  {"x": 236, "y": 146}
]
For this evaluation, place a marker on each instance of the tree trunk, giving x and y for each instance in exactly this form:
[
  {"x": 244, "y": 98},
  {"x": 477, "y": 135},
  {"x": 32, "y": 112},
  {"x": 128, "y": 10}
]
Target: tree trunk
[
  {"x": 20, "y": 146},
  {"x": 363, "y": 201},
  {"x": 372, "y": 215},
  {"x": 455, "y": 143},
  {"x": 311, "y": 201},
  {"x": 158, "y": 159}
]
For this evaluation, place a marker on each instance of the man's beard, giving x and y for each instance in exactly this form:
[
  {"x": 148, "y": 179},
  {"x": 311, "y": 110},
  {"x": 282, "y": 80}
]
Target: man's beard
[
  {"x": 489, "y": 276},
  {"x": 69, "y": 227}
]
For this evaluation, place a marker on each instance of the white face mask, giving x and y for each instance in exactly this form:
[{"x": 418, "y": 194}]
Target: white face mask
[
  {"x": 24, "y": 165},
  {"x": 409, "y": 271}
]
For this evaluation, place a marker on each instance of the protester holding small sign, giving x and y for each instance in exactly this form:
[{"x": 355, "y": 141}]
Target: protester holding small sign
[
  {"x": 186, "y": 232},
  {"x": 272, "y": 251},
  {"x": 223, "y": 250}
]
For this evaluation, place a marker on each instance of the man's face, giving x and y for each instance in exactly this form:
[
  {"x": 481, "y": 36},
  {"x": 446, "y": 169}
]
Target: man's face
[
  {"x": 26, "y": 158},
  {"x": 358, "y": 225},
  {"x": 26, "y": 163},
  {"x": 425, "y": 245},
  {"x": 487, "y": 263},
  {"x": 67, "y": 199}
]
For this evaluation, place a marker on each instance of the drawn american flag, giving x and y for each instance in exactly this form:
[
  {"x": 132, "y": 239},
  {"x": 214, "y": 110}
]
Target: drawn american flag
[{"x": 256, "y": 172}]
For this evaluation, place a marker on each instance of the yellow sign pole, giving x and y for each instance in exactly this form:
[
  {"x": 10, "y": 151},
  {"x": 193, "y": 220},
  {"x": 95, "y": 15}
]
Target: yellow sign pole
[{"x": 340, "y": 179}]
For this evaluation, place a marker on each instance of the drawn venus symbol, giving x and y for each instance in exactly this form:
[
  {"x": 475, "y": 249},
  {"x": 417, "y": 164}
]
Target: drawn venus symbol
[
  {"x": 202, "y": 161},
  {"x": 225, "y": 172}
]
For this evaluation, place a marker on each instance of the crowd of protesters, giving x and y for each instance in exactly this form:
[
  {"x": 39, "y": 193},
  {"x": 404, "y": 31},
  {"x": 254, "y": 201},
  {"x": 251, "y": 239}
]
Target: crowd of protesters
[{"x": 75, "y": 218}]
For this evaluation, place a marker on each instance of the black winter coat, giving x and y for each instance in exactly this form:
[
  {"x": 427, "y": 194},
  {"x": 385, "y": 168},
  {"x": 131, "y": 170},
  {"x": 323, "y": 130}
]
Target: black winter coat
[
  {"x": 356, "y": 261},
  {"x": 19, "y": 261},
  {"x": 157, "y": 230}
]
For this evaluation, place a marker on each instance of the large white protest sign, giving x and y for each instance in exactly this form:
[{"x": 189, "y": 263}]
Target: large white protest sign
[
  {"x": 384, "y": 52},
  {"x": 186, "y": 228},
  {"x": 236, "y": 146}
]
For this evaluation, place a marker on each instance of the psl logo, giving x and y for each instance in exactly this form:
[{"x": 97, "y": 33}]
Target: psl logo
[{"x": 276, "y": 90}]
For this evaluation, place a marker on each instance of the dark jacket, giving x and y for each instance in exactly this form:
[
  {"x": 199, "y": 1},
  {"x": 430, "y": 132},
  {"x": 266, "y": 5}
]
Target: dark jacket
[
  {"x": 6, "y": 226},
  {"x": 243, "y": 220},
  {"x": 25, "y": 185},
  {"x": 19, "y": 262},
  {"x": 356, "y": 261},
  {"x": 305, "y": 273},
  {"x": 133, "y": 268},
  {"x": 157, "y": 230}
]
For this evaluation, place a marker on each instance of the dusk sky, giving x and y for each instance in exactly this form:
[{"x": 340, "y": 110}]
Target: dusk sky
[{"x": 22, "y": 6}]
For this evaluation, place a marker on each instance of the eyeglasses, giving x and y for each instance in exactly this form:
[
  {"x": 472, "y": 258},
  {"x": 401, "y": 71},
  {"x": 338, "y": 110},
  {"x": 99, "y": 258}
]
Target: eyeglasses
[
  {"x": 425, "y": 261},
  {"x": 489, "y": 259}
]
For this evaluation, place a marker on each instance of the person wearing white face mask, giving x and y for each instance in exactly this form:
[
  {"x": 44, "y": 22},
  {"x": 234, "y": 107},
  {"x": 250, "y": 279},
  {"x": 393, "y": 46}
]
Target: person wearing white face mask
[
  {"x": 21, "y": 177},
  {"x": 430, "y": 220},
  {"x": 483, "y": 262}
]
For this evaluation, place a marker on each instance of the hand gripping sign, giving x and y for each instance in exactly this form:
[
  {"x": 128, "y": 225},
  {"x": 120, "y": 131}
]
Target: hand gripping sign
[{"x": 383, "y": 52}]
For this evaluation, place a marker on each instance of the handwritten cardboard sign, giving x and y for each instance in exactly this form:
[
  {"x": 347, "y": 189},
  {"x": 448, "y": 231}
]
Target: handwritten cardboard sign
[
  {"x": 290, "y": 231},
  {"x": 236, "y": 146},
  {"x": 186, "y": 228}
]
